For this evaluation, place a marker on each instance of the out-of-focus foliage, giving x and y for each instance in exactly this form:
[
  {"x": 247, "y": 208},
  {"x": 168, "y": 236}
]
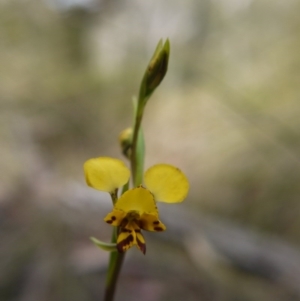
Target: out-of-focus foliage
[{"x": 227, "y": 114}]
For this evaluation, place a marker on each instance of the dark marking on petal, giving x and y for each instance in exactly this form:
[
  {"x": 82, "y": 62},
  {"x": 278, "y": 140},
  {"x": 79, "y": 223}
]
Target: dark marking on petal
[
  {"x": 156, "y": 223},
  {"x": 124, "y": 222},
  {"x": 124, "y": 230},
  {"x": 109, "y": 221},
  {"x": 140, "y": 224},
  {"x": 141, "y": 246},
  {"x": 158, "y": 229},
  {"x": 121, "y": 246},
  {"x": 113, "y": 218}
]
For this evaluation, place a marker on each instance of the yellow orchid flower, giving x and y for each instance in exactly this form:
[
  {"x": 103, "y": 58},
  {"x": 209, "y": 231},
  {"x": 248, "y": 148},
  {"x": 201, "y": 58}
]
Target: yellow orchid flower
[{"x": 136, "y": 210}]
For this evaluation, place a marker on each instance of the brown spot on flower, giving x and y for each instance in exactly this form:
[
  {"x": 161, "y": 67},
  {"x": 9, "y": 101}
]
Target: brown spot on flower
[
  {"x": 122, "y": 246},
  {"x": 156, "y": 223},
  {"x": 140, "y": 224},
  {"x": 130, "y": 238},
  {"x": 113, "y": 218},
  {"x": 141, "y": 246},
  {"x": 158, "y": 229},
  {"x": 124, "y": 222},
  {"x": 124, "y": 230},
  {"x": 109, "y": 221}
]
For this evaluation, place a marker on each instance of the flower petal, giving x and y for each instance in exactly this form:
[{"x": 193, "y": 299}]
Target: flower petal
[
  {"x": 130, "y": 235},
  {"x": 151, "y": 222},
  {"x": 115, "y": 217},
  {"x": 141, "y": 243},
  {"x": 167, "y": 183},
  {"x": 126, "y": 239},
  {"x": 137, "y": 199},
  {"x": 106, "y": 174}
]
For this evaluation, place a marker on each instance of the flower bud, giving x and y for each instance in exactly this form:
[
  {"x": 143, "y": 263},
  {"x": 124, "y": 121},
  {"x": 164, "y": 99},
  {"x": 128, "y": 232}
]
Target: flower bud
[
  {"x": 125, "y": 140},
  {"x": 156, "y": 70}
]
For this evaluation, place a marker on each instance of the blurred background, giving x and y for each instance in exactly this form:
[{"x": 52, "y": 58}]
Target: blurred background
[{"x": 227, "y": 114}]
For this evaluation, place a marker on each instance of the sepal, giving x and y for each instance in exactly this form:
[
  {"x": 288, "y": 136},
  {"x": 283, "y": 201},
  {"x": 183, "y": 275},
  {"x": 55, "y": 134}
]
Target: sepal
[{"x": 110, "y": 247}]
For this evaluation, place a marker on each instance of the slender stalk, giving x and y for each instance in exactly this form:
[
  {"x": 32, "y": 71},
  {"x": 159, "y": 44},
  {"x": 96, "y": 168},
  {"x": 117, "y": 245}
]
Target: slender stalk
[
  {"x": 137, "y": 178},
  {"x": 115, "y": 264},
  {"x": 115, "y": 260}
]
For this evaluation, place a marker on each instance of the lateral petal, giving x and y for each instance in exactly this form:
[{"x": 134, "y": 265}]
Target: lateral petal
[
  {"x": 105, "y": 173},
  {"x": 167, "y": 183},
  {"x": 151, "y": 222}
]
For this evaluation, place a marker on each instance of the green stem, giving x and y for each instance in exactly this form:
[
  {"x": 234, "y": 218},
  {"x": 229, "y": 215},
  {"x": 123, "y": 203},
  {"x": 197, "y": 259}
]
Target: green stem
[
  {"x": 115, "y": 264},
  {"x": 116, "y": 259},
  {"x": 110, "y": 288},
  {"x": 136, "y": 176}
]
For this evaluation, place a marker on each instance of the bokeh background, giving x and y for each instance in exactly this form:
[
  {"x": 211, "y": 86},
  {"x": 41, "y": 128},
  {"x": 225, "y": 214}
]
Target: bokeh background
[{"x": 227, "y": 114}]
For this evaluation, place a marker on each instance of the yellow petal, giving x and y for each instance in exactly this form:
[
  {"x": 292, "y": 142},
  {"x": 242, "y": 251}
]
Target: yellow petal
[
  {"x": 167, "y": 183},
  {"x": 141, "y": 243},
  {"x": 130, "y": 235},
  {"x": 106, "y": 174},
  {"x": 150, "y": 222},
  {"x": 137, "y": 199},
  {"x": 115, "y": 217},
  {"x": 125, "y": 240}
]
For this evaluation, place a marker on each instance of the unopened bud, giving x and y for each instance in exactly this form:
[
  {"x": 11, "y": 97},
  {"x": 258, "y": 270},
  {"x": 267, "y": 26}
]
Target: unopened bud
[
  {"x": 125, "y": 140},
  {"x": 156, "y": 70}
]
